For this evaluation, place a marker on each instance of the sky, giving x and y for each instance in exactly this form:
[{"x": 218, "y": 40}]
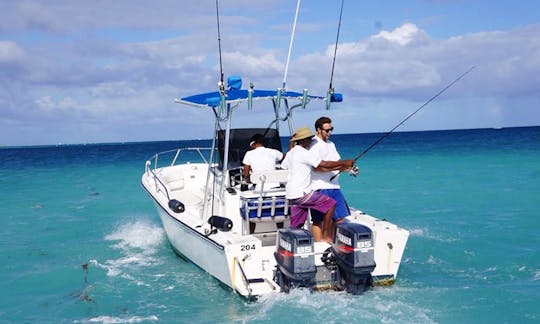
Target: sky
[{"x": 109, "y": 71}]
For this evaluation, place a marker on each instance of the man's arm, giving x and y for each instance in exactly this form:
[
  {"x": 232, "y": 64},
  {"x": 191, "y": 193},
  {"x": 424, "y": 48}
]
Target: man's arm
[
  {"x": 246, "y": 173},
  {"x": 341, "y": 165}
]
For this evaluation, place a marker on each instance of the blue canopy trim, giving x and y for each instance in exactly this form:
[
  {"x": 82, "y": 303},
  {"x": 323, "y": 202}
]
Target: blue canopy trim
[
  {"x": 212, "y": 99},
  {"x": 234, "y": 82},
  {"x": 336, "y": 97}
]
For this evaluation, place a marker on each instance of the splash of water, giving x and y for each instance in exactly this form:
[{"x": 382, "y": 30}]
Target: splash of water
[{"x": 138, "y": 242}]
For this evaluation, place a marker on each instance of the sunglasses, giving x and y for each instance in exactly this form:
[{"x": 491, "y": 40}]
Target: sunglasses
[{"x": 331, "y": 129}]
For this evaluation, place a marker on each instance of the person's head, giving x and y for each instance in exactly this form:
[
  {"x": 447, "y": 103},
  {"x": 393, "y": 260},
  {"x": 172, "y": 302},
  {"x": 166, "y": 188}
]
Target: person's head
[
  {"x": 303, "y": 136},
  {"x": 324, "y": 128},
  {"x": 256, "y": 140}
]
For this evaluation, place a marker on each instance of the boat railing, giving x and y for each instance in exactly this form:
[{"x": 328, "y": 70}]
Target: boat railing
[
  {"x": 175, "y": 156},
  {"x": 157, "y": 181}
]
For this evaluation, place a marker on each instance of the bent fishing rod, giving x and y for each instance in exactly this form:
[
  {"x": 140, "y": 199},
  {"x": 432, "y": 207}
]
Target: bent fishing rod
[{"x": 354, "y": 170}]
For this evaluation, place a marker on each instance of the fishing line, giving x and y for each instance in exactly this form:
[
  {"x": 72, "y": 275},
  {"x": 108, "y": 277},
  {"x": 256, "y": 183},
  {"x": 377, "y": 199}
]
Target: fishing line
[{"x": 413, "y": 113}]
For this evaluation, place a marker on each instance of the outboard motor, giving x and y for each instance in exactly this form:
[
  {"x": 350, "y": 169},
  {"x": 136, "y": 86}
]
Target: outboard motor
[
  {"x": 295, "y": 259},
  {"x": 354, "y": 255}
]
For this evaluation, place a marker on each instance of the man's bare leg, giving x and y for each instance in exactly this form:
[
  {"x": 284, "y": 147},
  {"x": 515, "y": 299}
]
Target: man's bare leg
[
  {"x": 333, "y": 228},
  {"x": 316, "y": 230},
  {"x": 327, "y": 233}
]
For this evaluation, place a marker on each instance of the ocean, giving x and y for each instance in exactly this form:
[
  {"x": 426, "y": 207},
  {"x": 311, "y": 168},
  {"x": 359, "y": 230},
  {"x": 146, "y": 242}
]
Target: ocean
[{"x": 80, "y": 241}]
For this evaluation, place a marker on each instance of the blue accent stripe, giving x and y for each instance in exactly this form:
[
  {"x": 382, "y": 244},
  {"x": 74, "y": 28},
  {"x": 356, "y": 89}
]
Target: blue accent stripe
[{"x": 239, "y": 96}]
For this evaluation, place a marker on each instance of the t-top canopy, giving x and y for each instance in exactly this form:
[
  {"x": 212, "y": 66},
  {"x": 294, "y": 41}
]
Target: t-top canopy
[
  {"x": 212, "y": 99},
  {"x": 235, "y": 95}
]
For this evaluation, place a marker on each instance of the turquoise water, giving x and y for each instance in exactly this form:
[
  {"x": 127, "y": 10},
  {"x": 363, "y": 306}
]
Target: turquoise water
[{"x": 80, "y": 241}]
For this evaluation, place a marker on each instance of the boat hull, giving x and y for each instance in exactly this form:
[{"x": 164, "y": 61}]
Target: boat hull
[
  {"x": 242, "y": 257},
  {"x": 203, "y": 252}
]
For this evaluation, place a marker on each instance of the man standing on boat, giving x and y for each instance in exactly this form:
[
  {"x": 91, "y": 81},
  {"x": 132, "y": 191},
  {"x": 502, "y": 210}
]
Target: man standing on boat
[
  {"x": 260, "y": 158},
  {"x": 301, "y": 162},
  {"x": 326, "y": 182}
]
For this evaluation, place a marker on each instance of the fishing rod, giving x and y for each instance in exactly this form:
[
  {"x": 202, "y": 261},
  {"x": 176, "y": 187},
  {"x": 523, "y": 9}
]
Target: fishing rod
[
  {"x": 354, "y": 170},
  {"x": 221, "y": 85},
  {"x": 330, "y": 86},
  {"x": 413, "y": 113},
  {"x": 336, "y": 45}
]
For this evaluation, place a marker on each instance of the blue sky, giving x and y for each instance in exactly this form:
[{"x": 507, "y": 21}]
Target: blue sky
[{"x": 109, "y": 71}]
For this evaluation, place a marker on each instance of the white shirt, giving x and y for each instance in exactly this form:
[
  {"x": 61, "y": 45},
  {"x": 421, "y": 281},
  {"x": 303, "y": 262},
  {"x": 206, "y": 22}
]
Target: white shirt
[
  {"x": 300, "y": 163},
  {"x": 262, "y": 158},
  {"x": 325, "y": 150}
]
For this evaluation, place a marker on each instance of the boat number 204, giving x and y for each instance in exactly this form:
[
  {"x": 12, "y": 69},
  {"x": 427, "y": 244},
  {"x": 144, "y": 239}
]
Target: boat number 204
[{"x": 247, "y": 247}]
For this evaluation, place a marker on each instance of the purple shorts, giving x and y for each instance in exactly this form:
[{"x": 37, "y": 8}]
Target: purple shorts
[
  {"x": 313, "y": 200},
  {"x": 342, "y": 209}
]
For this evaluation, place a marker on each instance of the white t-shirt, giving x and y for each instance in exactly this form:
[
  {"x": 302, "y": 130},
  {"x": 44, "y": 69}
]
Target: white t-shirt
[
  {"x": 326, "y": 151},
  {"x": 300, "y": 163},
  {"x": 262, "y": 158}
]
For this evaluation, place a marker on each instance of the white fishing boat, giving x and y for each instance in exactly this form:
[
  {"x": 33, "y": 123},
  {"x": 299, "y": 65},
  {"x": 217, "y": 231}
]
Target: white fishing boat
[{"x": 240, "y": 233}]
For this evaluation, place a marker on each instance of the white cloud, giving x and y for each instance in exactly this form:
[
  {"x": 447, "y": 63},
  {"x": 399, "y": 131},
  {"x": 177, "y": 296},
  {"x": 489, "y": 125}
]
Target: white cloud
[
  {"x": 99, "y": 81},
  {"x": 10, "y": 52},
  {"x": 406, "y": 63},
  {"x": 48, "y": 103},
  {"x": 402, "y": 35}
]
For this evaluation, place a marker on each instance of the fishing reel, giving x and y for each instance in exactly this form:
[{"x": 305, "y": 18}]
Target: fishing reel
[{"x": 354, "y": 171}]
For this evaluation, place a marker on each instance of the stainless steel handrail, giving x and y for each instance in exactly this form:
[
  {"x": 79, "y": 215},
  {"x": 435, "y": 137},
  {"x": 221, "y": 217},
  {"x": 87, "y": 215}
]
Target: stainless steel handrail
[
  {"x": 155, "y": 158},
  {"x": 177, "y": 155},
  {"x": 156, "y": 178}
]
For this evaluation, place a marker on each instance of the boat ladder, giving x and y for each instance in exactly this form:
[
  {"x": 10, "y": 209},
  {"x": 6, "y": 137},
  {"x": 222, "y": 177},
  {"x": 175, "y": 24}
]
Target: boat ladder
[{"x": 253, "y": 286}]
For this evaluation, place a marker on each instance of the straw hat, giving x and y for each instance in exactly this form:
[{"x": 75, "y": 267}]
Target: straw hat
[{"x": 301, "y": 133}]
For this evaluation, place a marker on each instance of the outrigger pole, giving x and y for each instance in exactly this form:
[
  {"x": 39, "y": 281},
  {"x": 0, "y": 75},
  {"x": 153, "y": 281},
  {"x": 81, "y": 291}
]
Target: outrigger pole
[
  {"x": 277, "y": 100},
  {"x": 413, "y": 113},
  {"x": 284, "y": 86}
]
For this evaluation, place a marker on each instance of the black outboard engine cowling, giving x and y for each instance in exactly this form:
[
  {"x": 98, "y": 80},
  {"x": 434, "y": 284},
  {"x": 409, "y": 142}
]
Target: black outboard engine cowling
[
  {"x": 354, "y": 254},
  {"x": 295, "y": 259}
]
